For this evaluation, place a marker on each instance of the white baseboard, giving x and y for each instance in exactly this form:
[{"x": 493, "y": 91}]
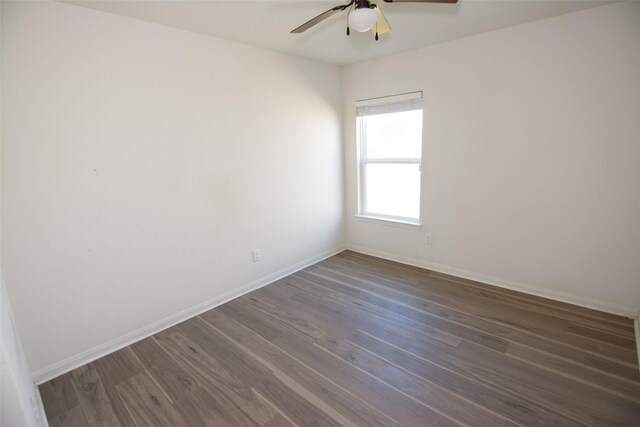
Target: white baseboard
[
  {"x": 607, "y": 307},
  {"x": 45, "y": 374}
]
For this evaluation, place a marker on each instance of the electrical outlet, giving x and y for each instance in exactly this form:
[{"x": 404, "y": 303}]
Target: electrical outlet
[
  {"x": 257, "y": 255},
  {"x": 427, "y": 239}
]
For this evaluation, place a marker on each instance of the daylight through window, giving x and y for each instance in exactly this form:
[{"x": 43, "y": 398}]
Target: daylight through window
[{"x": 389, "y": 132}]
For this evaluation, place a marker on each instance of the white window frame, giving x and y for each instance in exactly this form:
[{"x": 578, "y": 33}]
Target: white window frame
[{"x": 369, "y": 107}]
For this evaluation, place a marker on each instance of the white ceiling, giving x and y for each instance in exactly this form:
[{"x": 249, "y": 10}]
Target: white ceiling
[{"x": 267, "y": 23}]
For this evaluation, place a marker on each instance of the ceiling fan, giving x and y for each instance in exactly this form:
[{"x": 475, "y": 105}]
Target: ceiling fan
[{"x": 366, "y": 16}]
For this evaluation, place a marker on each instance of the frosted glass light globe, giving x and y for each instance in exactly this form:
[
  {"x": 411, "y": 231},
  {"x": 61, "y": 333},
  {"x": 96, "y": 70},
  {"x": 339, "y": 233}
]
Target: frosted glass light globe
[{"x": 362, "y": 19}]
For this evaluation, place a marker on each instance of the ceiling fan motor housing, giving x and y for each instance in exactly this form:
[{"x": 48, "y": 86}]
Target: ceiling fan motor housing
[{"x": 363, "y": 18}]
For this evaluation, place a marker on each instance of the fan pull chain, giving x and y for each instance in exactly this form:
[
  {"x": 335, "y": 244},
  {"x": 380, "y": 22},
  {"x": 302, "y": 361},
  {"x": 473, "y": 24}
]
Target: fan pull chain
[
  {"x": 376, "y": 31},
  {"x": 348, "y": 32}
]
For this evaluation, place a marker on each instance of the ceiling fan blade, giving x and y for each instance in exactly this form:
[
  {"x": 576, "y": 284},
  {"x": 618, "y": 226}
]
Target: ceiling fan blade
[
  {"x": 310, "y": 23},
  {"x": 382, "y": 25},
  {"x": 421, "y": 1}
]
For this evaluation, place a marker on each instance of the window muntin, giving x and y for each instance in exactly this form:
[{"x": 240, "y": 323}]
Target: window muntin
[{"x": 389, "y": 133}]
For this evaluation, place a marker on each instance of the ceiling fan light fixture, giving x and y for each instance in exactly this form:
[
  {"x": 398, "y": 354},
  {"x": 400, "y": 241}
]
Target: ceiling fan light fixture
[{"x": 362, "y": 19}]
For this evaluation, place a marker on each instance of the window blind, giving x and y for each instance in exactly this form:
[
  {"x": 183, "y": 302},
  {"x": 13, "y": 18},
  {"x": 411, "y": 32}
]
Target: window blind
[{"x": 389, "y": 104}]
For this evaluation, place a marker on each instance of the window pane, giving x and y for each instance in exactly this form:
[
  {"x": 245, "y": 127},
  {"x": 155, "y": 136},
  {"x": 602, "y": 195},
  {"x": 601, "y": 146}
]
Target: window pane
[
  {"x": 394, "y": 135},
  {"x": 393, "y": 189}
]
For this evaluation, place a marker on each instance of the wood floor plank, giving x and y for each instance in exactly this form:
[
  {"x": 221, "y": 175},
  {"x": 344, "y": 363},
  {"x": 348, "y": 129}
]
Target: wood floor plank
[
  {"x": 118, "y": 366},
  {"x": 173, "y": 379},
  {"x": 209, "y": 369},
  {"x": 596, "y": 402},
  {"x": 257, "y": 375},
  {"x": 425, "y": 311},
  {"x": 359, "y": 312},
  {"x": 519, "y": 410},
  {"x": 74, "y": 417},
  {"x": 416, "y": 275},
  {"x": 576, "y": 371},
  {"x": 510, "y": 315},
  {"x": 319, "y": 320},
  {"x": 538, "y": 379},
  {"x": 355, "y": 409},
  {"x": 559, "y": 308},
  {"x": 253, "y": 323},
  {"x": 624, "y": 371},
  {"x": 614, "y": 384},
  {"x": 147, "y": 404},
  {"x": 293, "y": 405},
  {"x": 96, "y": 404},
  {"x": 59, "y": 396},
  {"x": 113, "y": 369},
  {"x": 211, "y": 408},
  {"x": 267, "y": 303},
  {"x": 596, "y": 334},
  {"x": 515, "y": 299},
  {"x": 355, "y": 341},
  {"x": 526, "y": 381},
  {"x": 236, "y": 362},
  {"x": 430, "y": 394},
  {"x": 279, "y": 421},
  {"x": 399, "y": 407}
]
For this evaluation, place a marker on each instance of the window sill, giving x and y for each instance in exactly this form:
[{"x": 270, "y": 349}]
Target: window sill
[{"x": 389, "y": 221}]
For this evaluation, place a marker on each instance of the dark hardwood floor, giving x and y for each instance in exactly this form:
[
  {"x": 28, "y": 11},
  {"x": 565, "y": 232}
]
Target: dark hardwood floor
[{"x": 359, "y": 341}]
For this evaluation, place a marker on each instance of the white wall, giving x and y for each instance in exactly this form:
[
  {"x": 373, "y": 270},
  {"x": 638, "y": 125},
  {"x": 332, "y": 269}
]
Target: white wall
[
  {"x": 531, "y": 170},
  {"x": 141, "y": 166},
  {"x": 20, "y": 404}
]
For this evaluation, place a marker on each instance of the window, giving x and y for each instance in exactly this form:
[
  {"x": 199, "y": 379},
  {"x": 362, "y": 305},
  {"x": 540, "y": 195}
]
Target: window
[{"x": 389, "y": 134}]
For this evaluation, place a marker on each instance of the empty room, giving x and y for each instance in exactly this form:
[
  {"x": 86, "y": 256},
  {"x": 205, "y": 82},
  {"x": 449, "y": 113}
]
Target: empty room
[{"x": 273, "y": 213}]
